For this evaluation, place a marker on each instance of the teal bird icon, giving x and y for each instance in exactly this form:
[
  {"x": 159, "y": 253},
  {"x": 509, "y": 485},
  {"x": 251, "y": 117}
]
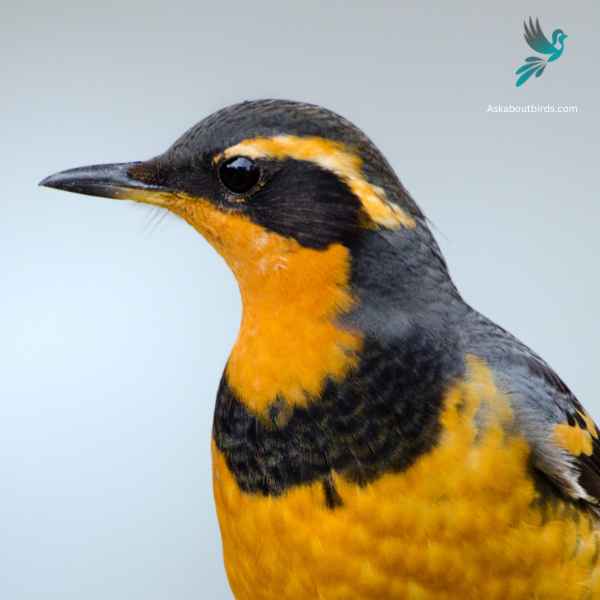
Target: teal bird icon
[{"x": 536, "y": 39}]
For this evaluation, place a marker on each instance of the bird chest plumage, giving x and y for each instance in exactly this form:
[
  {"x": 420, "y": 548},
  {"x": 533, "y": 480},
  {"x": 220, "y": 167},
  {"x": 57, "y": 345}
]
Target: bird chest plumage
[{"x": 463, "y": 522}]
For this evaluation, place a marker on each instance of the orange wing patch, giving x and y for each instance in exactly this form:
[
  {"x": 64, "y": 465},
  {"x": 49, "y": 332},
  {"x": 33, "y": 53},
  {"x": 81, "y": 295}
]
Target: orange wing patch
[
  {"x": 574, "y": 440},
  {"x": 577, "y": 436},
  {"x": 334, "y": 157}
]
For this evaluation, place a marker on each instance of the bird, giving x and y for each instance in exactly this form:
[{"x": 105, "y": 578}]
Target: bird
[
  {"x": 537, "y": 41},
  {"x": 374, "y": 436}
]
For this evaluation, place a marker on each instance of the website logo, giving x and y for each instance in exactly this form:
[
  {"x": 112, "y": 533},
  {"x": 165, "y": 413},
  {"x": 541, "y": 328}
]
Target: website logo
[{"x": 552, "y": 51}]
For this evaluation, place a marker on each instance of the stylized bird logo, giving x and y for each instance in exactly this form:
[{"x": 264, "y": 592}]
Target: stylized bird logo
[{"x": 536, "y": 39}]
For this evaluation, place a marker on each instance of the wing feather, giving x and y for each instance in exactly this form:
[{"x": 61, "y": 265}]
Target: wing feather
[
  {"x": 536, "y": 39},
  {"x": 563, "y": 439},
  {"x": 584, "y": 463}
]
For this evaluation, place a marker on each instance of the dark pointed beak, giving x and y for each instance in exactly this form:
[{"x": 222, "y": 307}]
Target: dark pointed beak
[{"x": 131, "y": 181}]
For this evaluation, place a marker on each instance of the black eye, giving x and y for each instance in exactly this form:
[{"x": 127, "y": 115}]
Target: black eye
[{"x": 239, "y": 174}]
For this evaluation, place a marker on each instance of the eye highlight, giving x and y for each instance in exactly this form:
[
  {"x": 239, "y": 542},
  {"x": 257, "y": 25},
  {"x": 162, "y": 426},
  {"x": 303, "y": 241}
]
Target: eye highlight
[{"x": 239, "y": 174}]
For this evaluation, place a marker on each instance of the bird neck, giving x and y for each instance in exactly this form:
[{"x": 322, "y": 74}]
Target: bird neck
[
  {"x": 399, "y": 279},
  {"x": 557, "y": 42},
  {"x": 290, "y": 340},
  {"x": 307, "y": 313}
]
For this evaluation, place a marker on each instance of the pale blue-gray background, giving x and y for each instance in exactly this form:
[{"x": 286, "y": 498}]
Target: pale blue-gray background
[{"x": 114, "y": 327}]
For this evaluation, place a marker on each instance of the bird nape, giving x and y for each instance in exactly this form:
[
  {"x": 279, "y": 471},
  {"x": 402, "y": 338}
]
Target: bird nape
[{"x": 374, "y": 436}]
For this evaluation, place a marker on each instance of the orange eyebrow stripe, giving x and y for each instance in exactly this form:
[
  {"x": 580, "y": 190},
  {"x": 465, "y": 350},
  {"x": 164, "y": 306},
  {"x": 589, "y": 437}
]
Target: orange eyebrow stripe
[{"x": 334, "y": 157}]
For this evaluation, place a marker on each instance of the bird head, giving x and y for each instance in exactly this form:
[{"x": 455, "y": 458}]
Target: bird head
[
  {"x": 327, "y": 246},
  {"x": 558, "y": 37},
  {"x": 288, "y": 193}
]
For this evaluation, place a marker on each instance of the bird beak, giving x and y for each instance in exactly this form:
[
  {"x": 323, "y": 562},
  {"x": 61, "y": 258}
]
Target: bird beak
[{"x": 117, "y": 181}]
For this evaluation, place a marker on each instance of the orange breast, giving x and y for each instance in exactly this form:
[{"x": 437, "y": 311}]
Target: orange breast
[{"x": 463, "y": 522}]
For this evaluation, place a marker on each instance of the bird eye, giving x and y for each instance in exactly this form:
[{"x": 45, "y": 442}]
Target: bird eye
[{"x": 239, "y": 174}]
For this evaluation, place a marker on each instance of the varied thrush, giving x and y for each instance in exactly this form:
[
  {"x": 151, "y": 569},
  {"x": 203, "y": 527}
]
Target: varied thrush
[{"x": 374, "y": 436}]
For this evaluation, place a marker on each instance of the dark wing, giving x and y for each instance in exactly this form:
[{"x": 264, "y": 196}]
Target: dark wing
[
  {"x": 563, "y": 439},
  {"x": 536, "y": 39},
  {"x": 573, "y": 432}
]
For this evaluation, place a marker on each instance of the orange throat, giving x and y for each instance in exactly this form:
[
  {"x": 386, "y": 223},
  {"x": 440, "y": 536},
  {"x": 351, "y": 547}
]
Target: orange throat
[{"x": 290, "y": 340}]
